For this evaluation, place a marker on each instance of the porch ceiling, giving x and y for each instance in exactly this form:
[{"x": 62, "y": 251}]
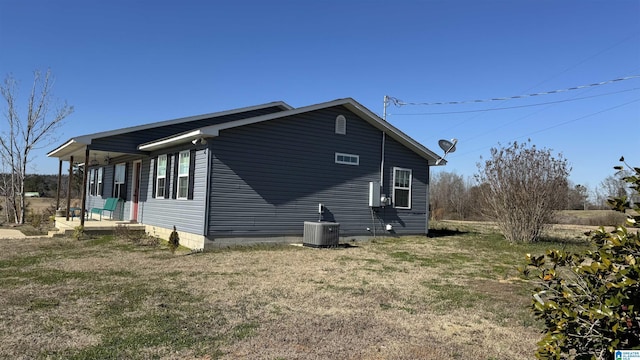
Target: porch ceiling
[{"x": 76, "y": 149}]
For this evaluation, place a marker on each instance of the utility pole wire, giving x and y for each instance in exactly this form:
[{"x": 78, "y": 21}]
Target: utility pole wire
[{"x": 397, "y": 102}]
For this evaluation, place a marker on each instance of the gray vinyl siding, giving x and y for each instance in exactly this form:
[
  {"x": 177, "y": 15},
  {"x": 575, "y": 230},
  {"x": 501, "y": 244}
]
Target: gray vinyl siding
[
  {"x": 186, "y": 215},
  {"x": 123, "y": 210},
  {"x": 414, "y": 220},
  {"x": 129, "y": 142},
  {"x": 268, "y": 178}
]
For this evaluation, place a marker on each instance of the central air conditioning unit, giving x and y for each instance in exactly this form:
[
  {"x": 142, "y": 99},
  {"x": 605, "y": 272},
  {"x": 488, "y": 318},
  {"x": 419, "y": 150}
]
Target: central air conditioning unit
[{"x": 321, "y": 234}]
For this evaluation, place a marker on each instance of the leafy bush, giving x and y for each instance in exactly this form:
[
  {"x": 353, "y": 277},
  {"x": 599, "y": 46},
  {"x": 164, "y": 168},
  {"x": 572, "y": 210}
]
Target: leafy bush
[{"x": 590, "y": 302}]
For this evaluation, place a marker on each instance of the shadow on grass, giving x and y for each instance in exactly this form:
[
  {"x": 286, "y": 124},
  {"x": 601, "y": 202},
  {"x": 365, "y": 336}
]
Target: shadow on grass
[{"x": 434, "y": 233}]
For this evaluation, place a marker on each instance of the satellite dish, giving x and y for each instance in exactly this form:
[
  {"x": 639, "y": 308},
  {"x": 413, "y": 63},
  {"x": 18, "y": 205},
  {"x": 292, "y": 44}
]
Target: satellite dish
[{"x": 448, "y": 146}]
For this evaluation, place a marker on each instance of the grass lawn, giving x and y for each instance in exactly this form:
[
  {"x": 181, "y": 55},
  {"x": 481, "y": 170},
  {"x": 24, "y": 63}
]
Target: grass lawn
[{"x": 453, "y": 296}]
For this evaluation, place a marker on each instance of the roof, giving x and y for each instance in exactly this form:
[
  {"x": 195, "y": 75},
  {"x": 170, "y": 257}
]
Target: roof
[
  {"x": 349, "y": 103},
  {"x": 77, "y": 143}
]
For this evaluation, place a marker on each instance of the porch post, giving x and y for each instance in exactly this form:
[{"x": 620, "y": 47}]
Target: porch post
[
  {"x": 69, "y": 186},
  {"x": 59, "y": 185},
  {"x": 83, "y": 207}
]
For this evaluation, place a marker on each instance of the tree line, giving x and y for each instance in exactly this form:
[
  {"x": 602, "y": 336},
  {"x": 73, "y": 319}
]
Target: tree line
[{"x": 452, "y": 196}]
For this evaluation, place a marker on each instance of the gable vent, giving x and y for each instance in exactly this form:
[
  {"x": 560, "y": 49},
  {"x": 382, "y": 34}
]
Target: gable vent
[{"x": 341, "y": 125}]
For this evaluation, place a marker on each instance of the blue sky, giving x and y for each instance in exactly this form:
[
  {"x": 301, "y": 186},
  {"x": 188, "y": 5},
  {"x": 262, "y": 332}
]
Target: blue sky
[{"x": 123, "y": 63}]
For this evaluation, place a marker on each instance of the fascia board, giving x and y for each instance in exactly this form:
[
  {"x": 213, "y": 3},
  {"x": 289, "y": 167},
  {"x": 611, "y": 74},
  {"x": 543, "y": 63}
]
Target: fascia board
[{"x": 178, "y": 139}]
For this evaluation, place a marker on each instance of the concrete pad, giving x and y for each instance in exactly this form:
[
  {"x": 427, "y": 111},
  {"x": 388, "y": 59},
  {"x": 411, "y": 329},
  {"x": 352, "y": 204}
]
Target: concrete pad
[{"x": 11, "y": 234}]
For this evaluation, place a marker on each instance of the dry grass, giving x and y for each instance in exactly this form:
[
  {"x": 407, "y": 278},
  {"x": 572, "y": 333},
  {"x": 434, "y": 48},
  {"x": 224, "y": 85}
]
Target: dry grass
[{"x": 455, "y": 297}]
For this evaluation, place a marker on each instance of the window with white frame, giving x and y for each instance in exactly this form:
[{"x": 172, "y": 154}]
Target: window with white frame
[
  {"x": 183, "y": 174},
  {"x": 401, "y": 188},
  {"x": 347, "y": 159},
  {"x": 161, "y": 176},
  {"x": 119, "y": 185},
  {"x": 99, "y": 181},
  {"x": 92, "y": 182},
  {"x": 341, "y": 125}
]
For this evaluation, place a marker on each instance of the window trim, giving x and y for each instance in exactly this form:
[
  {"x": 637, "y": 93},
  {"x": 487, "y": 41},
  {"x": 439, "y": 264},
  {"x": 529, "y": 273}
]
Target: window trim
[
  {"x": 92, "y": 182},
  {"x": 182, "y": 175},
  {"x": 116, "y": 184},
  {"x": 99, "y": 182},
  {"x": 161, "y": 175},
  {"x": 395, "y": 170},
  {"x": 344, "y": 162},
  {"x": 341, "y": 125}
]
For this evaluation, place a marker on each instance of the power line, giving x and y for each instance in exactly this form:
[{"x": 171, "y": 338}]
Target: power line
[
  {"x": 516, "y": 107},
  {"x": 559, "y": 124},
  {"x": 399, "y": 103}
]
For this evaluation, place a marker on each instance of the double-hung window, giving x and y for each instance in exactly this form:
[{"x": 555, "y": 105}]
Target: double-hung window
[
  {"x": 92, "y": 182},
  {"x": 99, "y": 181},
  {"x": 401, "y": 188},
  {"x": 119, "y": 185},
  {"x": 95, "y": 181},
  {"x": 183, "y": 174},
  {"x": 161, "y": 180}
]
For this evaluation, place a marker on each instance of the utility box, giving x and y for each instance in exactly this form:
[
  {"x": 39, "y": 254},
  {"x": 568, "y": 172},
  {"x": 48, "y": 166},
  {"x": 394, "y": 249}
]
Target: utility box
[
  {"x": 321, "y": 234},
  {"x": 374, "y": 194}
]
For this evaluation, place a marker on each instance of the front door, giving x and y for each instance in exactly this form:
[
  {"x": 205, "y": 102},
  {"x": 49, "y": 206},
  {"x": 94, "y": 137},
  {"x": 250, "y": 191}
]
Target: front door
[{"x": 136, "y": 190}]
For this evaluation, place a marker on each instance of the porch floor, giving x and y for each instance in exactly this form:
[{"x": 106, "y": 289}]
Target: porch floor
[{"x": 107, "y": 226}]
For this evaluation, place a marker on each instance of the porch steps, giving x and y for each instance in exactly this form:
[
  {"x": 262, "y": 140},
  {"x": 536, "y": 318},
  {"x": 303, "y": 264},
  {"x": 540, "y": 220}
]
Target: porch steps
[{"x": 105, "y": 227}]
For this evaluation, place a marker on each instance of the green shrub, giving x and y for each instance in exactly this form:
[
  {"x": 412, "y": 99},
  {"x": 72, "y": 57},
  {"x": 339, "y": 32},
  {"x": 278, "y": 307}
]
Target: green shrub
[{"x": 590, "y": 301}]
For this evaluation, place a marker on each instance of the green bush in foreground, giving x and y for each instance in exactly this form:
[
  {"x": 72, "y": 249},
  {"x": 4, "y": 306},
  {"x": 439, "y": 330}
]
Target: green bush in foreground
[{"x": 590, "y": 302}]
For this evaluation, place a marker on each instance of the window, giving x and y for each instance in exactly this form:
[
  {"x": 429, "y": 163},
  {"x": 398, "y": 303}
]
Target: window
[
  {"x": 99, "y": 181},
  {"x": 161, "y": 180},
  {"x": 183, "y": 174},
  {"x": 95, "y": 181},
  {"x": 92, "y": 182},
  {"x": 341, "y": 125},
  {"x": 347, "y": 159},
  {"x": 119, "y": 186},
  {"x": 401, "y": 188}
]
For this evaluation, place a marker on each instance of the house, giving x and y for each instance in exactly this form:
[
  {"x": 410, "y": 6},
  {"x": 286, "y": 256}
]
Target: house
[{"x": 258, "y": 173}]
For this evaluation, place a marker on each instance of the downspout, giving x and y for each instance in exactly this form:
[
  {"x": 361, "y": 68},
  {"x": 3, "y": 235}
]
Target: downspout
[
  {"x": 384, "y": 135},
  {"x": 207, "y": 199}
]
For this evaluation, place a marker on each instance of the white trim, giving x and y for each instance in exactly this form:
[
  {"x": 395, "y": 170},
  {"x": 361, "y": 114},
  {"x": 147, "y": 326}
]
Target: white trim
[
  {"x": 178, "y": 139},
  {"x": 160, "y": 194},
  {"x": 394, "y": 187},
  {"x": 347, "y": 162},
  {"x": 341, "y": 125},
  {"x": 115, "y": 179},
  {"x": 182, "y": 175},
  {"x": 136, "y": 173}
]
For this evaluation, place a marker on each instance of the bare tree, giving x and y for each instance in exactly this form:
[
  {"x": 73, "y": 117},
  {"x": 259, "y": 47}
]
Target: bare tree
[
  {"x": 577, "y": 197},
  {"x": 32, "y": 132},
  {"x": 449, "y": 195},
  {"x": 523, "y": 186},
  {"x": 613, "y": 186}
]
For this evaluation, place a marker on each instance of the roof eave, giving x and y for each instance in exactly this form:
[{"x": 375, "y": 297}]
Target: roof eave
[{"x": 179, "y": 139}]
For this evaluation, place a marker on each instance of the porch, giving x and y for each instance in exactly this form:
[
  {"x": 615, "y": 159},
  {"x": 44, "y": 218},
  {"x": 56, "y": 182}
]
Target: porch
[{"x": 91, "y": 226}]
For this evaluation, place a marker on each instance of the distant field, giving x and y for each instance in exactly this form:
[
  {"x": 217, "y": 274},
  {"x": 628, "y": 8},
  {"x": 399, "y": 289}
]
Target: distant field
[{"x": 590, "y": 217}]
